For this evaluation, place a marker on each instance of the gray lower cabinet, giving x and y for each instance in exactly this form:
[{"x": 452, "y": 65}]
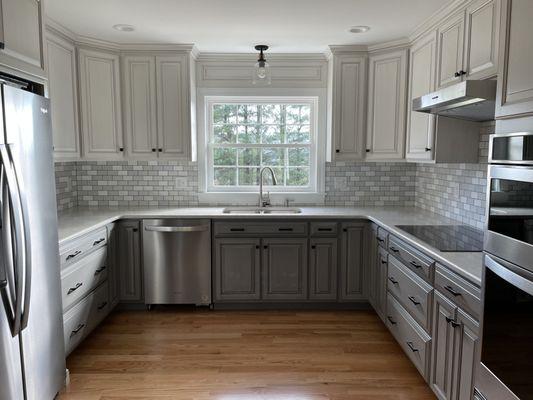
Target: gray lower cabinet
[
  {"x": 323, "y": 269},
  {"x": 352, "y": 261},
  {"x": 113, "y": 275},
  {"x": 129, "y": 261},
  {"x": 237, "y": 269},
  {"x": 381, "y": 268},
  {"x": 444, "y": 313},
  {"x": 372, "y": 263},
  {"x": 466, "y": 355},
  {"x": 284, "y": 263}
]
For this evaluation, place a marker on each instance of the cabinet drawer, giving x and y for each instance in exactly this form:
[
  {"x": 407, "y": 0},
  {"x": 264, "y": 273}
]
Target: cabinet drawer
[
  {"x": 412, "y": 292},
  {"x": 382, "y": 236},
  {"x": 80, "y": 278},
  {"x": 260, "y": 228},
  {"x": 415, "y": 260},
  {"x": 84, "y": 316},
  {"x": 77, "y": 249},
  {"x": 324, "y": 228},
  {"x": 412, "y": 338},
  {"x": 462, "y": 293}
]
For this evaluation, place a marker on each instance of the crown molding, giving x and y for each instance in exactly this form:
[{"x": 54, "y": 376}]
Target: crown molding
[
  {"x": 348, "y": 48},
  {"x": 437, "y": 17},
  {"x": 399, "y": 44}
]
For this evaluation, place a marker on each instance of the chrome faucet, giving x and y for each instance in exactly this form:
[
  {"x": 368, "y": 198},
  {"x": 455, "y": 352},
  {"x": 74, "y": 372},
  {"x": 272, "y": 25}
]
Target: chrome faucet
[{"x": 262, "y": 201}]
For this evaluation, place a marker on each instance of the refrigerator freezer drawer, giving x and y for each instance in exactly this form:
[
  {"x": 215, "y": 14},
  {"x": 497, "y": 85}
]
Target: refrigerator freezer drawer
[
  {"x": 82, "y": 277},
  {"x": 80, "y": 320}
]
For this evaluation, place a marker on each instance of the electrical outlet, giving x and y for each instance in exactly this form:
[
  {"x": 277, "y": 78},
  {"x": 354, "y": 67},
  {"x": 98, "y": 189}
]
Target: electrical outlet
[{"x": 181, "y": 182}]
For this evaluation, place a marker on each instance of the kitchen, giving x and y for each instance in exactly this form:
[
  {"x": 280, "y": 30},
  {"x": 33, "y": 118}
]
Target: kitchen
[{"x": 192, "y": 210}]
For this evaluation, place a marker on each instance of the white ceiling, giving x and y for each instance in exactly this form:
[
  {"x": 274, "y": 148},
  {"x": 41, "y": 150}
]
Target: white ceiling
[{"x": 236, "y": 25}]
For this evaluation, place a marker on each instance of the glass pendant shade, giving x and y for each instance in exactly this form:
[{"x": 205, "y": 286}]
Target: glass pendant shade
[{"x": 261, "y": 74}]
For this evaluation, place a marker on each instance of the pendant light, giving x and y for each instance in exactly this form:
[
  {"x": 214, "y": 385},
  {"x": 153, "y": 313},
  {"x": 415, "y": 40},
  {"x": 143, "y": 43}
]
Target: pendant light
[{"x": 261, "y": 73}]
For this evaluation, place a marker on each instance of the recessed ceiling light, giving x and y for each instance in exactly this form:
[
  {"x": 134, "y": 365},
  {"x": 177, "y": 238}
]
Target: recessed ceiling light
[
  {"x": 124, "y": 28},
  {"x": 359, "y": 29}
]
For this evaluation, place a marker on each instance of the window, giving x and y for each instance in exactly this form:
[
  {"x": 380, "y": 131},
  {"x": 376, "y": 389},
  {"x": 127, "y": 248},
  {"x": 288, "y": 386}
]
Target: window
[{"x": 246, "y": 134}]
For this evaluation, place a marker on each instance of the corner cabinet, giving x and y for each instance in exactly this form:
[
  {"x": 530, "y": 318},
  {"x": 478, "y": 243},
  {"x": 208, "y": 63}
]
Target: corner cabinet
[
  {"x": 157, "y": 106},
  {"x": 101, "y": 115},
  {"x": 63, "y": 94},
  {"x": 387, "y": 95},
  {"x": 21, "y": 36},
  {"x": 515, "y": 83},
  {"x": 129, "y": 262},
  {"x": 348, "y": 78},
  {"x": 420, "y": 126}
]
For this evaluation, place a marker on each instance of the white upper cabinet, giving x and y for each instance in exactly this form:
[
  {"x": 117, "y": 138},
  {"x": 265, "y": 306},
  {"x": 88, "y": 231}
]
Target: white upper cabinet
[
  {"x": 21, "y": 36},
  {"x": 450, "y": 42},
  {"x": 348, "y": 85},
  {"x": 140, "y": 106},
  {"x": 173, "y": 106},
  {"x": 468, "y": 43},
  {"x": 387, "y": 97},
  {"x": 515, "y": 83},
  {"x": 62, "y": 90},
  {"x": 101, "y": 125},
  {"x": 481, "y": 40},
  {"x": 421, "y": 126}
]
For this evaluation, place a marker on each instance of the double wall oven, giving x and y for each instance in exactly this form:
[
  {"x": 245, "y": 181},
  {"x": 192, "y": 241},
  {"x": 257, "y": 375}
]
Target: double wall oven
[{"x": 506, "y": 369}]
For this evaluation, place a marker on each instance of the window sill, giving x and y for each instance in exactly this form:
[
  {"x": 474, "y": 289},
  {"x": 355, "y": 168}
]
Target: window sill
[{"x": 249, "y": 198}]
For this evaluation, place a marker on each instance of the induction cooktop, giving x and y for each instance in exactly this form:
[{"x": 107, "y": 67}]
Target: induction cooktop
[{"x": 447, "y": 238}]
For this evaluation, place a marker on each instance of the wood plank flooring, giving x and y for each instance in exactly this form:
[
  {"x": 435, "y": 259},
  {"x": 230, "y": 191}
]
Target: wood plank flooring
[{"x": 175, "y": 353}]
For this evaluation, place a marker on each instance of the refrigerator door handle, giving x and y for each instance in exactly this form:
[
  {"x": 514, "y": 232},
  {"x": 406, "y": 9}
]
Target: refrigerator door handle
[{"x": 20, "y": 254}]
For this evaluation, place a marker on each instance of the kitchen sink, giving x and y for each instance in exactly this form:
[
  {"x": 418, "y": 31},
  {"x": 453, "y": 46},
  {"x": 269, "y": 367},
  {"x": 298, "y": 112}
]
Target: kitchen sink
[{"x": 261, "y": 210}]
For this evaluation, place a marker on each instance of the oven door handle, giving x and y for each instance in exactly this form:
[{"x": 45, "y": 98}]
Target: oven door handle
[{"x": 516, "y": 276}]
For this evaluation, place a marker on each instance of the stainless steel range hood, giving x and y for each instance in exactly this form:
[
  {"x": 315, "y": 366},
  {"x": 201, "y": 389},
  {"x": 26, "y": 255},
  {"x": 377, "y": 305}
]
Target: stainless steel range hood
[{"x": 470, "y": 100}]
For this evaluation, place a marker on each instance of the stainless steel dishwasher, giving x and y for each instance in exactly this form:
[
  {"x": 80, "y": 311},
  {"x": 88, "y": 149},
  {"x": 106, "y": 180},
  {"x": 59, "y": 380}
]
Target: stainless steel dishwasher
[{"x": 177, "y": 261}]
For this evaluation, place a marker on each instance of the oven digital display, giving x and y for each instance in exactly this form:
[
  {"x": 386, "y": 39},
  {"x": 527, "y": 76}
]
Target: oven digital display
[{"x": 508, "y": 334}]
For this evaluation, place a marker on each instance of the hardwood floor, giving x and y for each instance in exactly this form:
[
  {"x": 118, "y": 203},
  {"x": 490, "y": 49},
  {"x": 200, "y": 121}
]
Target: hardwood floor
[{"x": 234, "y": 355}]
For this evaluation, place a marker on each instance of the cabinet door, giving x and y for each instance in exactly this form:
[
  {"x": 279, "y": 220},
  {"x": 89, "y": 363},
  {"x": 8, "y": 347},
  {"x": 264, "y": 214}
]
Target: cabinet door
[
  {"x": 482, "y": 35},
  {"x": 381, "y": 283},
  {"x": 372, "y": 266},
  {"x": 444, "y": 313},
  {"x": 450, "y": 50},
  {"x": 237, "y": 269},
  {"x": 101, "y": 121},
  {"x": 386, "y": 106},
  {"x": 129, "y": 257},
  {"x": 173, "y": 116},
  {"x": 22, "y": 36},
  {"x": 349, "y": 85},
  {"x": 421, "y": 126},
  {"x": 284, "y": 264},
  {"x": 515, "y": 80},
  {"x": 352, "y": 259},
  {"x": 323, "y": 269},
  {"x": 63, "y": 93},
  {"x": 140, "y": 106},
  {"x": 112, "y": 257},
  {"x": 466, "y": 356}
]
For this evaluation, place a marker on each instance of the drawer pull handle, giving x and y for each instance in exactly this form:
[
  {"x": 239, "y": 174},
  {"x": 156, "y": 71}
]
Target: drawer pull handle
[
  {"x": 73, "y": 289},
  {"x": 102, "y": 306},
  {"x": 393, "y": 322},
  {"x": 413, "y": 348},
  {"x": 413, "y": 300},
  {"x": 394, "y": 249},
  {"x": 99, "y": 270},
  {"x": 313, "y": 247},
  {"x": 452, "y": 291},
  {"x": 325, "y": 229},
  {"x": 380, "y": 240},
  {"x": 75, "y": 254},
  {"x": 78, "y": 328},
  {"x": 97, "y": 242},
  {"x": 236, "y": 229},
  {"x": 285, "y": 229},
  {"x": 394, "y": 281},
  {"x": 452, "y": 322},
  {"x": 384, "y": 261},
  {"x": 414, "y": 264}
]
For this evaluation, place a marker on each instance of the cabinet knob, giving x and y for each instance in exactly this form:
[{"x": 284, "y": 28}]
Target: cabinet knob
[
  {"x": 121, "y": 149},
  {"x": 160, "y": 150},
  {"x": 337, "y": 151},
  {"x": 257, "y": 246},
  {"x": 368, "y": 150},
  {"x": 153, "y": 150},
  {"x": 428, "y": 148},
  {"x": 457, "y": 74},
  {"x": 265, "y": 247},
  {"x": 313, "y": 247},
  {"x": 134, "y": 229},
  {"x": 462, "y": 72}
]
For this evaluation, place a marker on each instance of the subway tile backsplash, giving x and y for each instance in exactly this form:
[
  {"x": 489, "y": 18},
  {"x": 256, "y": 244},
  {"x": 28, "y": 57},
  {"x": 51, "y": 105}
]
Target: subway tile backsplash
[{"x": 456, "y": 191}]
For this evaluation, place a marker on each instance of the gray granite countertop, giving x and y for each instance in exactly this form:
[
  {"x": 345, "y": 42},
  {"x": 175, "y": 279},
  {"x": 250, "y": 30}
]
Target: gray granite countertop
[{"x": 78, "y": 221}]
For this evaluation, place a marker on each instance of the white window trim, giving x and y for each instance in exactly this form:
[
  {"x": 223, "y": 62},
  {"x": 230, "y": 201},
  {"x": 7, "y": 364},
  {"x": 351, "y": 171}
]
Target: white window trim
[{"x": 216, "y": 195}]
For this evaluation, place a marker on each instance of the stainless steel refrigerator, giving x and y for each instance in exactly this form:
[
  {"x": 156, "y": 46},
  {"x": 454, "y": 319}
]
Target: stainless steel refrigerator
[{"x": 32, "y": 355}]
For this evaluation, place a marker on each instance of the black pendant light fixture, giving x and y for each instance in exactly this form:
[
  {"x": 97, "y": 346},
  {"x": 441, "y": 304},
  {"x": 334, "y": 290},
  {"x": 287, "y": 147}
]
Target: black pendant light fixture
[{"x": 261, "y": 73}]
